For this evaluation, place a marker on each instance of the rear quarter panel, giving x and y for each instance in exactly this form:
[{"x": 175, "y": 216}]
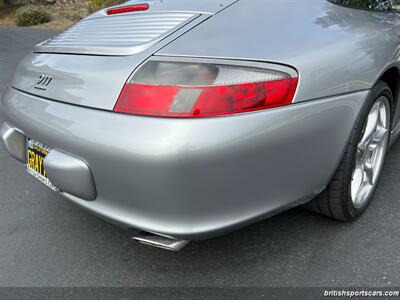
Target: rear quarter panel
[{"x": 336, "y": 50}]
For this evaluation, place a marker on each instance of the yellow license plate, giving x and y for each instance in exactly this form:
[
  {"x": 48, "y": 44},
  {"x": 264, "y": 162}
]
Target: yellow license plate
[{"x": 36, "y": 153}]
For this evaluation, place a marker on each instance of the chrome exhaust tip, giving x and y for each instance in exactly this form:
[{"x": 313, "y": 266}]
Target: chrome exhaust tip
[{"x": 162, "y": 242}]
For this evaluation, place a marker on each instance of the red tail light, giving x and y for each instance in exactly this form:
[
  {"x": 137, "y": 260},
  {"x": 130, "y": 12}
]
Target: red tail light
[
  {"x": 128, "y": 8},
  {"x": 189, "y": 90}
]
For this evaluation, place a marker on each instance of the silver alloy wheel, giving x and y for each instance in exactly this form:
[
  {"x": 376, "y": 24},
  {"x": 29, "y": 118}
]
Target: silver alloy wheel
[{"x": 371, "y": 152}]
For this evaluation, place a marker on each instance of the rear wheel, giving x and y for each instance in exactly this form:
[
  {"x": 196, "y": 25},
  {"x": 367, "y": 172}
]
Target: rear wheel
[{"x": 354, "y": 183}]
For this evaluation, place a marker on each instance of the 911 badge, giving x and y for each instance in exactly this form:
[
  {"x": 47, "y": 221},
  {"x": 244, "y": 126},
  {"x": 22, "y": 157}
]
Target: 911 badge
[{"x": 43, "y": 82}]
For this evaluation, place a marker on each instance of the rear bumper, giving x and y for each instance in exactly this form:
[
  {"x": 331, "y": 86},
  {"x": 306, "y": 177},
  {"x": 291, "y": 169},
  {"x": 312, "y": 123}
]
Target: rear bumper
[{"x": 194, "y": 178}]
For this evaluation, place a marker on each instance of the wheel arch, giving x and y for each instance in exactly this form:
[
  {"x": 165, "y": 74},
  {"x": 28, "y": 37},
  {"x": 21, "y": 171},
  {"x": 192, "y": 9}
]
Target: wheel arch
[{"x": 392, "y": 77}]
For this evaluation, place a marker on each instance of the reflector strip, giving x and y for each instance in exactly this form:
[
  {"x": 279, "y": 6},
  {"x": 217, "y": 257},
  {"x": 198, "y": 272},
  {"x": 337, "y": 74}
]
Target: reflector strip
[{"x": 185, "y": 100}]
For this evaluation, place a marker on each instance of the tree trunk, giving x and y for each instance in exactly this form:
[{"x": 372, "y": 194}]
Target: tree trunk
[{"x": 7, "y": 2}]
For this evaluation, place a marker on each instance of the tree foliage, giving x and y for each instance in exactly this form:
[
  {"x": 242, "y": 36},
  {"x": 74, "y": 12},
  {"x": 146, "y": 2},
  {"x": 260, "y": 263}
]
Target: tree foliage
[
  {"x": 368, "y": 4},
  {"x": 31, "y": 15}
]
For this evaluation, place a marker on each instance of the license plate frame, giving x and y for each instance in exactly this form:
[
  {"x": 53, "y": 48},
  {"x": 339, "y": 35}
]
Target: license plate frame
[{"x": 36, "y": 152}]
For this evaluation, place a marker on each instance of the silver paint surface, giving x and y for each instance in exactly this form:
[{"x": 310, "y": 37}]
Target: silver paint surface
[
  {"x": 70, "y": 174},
  {"x": 119, "y": 35},
  {"x": 88, "y": 80},
  {"x": 193, "y": 179},
  {"x": 14, "y": 141},
  {"x": 335, "y": 49},
  {"x": 197, "y": 178}
]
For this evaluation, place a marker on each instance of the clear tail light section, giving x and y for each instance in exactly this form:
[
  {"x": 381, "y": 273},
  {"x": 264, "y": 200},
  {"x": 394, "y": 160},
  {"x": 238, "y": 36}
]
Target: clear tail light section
[{"x": 187, "y": 89}]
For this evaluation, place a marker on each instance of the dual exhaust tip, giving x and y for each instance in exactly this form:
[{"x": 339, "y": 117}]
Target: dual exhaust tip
[{"x": 158, "y": 241}]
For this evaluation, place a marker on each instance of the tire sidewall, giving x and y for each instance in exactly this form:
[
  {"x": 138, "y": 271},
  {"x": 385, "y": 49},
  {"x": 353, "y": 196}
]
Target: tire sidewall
[{"x": 379, "y": 90}]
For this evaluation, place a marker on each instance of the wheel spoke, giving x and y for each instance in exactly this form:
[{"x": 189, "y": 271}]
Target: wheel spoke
[
  {"x": 368, "y": 172},
  {"x": 363, "y": 193},
  {"x": 370, "y": 153},
  {"x": 382, "y": 115},
  {"x": 357, "y": 180},
  {"x": 371, "y": 126},
  {"x": 380, "y": 135}
]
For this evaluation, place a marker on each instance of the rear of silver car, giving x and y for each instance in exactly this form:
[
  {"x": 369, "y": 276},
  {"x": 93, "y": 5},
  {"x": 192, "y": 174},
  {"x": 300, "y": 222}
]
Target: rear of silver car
[{"x": 183, "y": 178}]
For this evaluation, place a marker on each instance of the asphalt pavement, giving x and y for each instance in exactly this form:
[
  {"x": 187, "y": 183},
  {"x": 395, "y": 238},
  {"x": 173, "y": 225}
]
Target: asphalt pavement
[{"x": 47, "y": 241}]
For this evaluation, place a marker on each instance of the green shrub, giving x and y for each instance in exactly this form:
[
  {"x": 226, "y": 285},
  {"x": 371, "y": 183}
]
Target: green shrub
[
  {"x": 31, "y": 15},
  {"x": 96, "y": 5}
]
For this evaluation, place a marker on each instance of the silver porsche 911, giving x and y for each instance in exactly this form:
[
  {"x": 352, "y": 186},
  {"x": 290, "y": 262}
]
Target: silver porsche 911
[{"x": 183, "y": 120}]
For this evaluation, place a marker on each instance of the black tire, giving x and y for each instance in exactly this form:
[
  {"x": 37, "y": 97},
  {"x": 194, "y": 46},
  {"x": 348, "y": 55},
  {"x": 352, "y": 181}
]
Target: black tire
[{"x": 335, "y": 201}]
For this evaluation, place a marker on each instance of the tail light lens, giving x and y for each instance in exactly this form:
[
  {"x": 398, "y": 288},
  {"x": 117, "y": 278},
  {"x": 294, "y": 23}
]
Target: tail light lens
[{"x": 192, "y": 90}]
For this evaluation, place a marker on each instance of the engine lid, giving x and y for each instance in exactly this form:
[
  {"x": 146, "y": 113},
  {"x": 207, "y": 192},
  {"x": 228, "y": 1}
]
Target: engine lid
[
  {"x": 124, "y": 34},
  {"x": 130, "y": 32},
  {"x": 89, "y": 64}
]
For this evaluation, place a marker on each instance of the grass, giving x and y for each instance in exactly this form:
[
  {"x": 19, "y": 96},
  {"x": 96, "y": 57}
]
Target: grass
[
  {"x": 96, "y": 5},
  {"x": 7, "y": 14}
]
